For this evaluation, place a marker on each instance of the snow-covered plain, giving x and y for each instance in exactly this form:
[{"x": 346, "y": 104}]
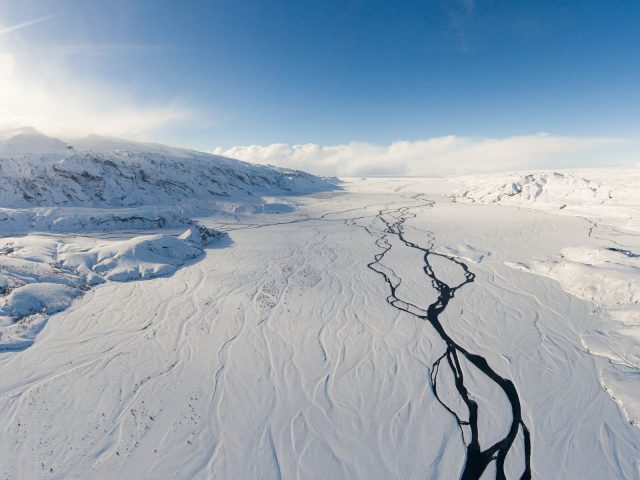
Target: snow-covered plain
[
  {"x": 602, "y": 268},
  {"x": 303, "y": 344}
]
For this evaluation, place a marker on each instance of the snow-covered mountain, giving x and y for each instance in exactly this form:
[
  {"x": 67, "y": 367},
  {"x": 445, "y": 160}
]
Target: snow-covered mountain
[
  {"x": 27, "y": 140},
  {"x": 39, "y": 171},
  {"x": 103, "y": 184}
]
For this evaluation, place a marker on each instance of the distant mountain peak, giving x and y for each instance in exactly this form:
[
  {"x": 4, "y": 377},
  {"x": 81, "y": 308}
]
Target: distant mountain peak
[{"x": 28, "y": 140}]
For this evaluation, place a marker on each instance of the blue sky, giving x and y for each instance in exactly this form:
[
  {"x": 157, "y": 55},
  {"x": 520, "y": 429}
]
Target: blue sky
[{"x": 224, "y": 73}]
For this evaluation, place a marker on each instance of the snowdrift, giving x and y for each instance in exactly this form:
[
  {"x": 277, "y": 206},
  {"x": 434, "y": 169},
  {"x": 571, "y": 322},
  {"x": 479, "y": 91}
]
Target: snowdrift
[{"x": 42, "y": 275}]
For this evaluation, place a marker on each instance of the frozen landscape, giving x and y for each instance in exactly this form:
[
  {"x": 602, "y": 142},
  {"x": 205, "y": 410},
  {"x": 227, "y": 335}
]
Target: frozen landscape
[
  {"x": 172, "y": 314},
  {"x": 337, "y": 240}
]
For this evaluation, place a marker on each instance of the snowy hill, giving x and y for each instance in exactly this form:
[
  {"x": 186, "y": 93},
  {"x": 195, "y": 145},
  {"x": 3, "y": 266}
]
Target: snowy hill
[
  {"x": 39, "y": 171},
  {"x": 41, "y": 275},
  {"x": 602, "y": 193},
  {"x": 27, "y": 140}
]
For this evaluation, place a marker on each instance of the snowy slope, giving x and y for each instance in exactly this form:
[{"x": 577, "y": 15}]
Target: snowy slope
[
  {"x": 27, "y": 140},
  {"x": 37, "y": 171},
  {"x": 103, "y": 185},
  {"x": 596, "y": 193},
  {"x": 41, "y": 275}
]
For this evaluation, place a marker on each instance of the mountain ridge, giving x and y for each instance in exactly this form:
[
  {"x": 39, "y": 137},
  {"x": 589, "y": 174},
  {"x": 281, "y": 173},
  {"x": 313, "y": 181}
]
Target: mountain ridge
[{"x": 41, "y": 171}]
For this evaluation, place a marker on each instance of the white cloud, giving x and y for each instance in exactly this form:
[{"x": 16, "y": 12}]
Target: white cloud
[
  {"x": 57, "y": 103},
  {"x": 44, "y": 86},
  {"x": 7, "y": 66},
  {"x": 449, "y": 155},
  {"x": 45, "y": 92}
]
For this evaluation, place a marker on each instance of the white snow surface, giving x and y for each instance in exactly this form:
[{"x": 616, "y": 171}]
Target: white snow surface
[
  {"x": 611, "y": 194},
  {"x": 603, "y": 268},
  {"x": 27, "y": 140},
  {"x": 277, "y": 354},
  {"x": 47, "y": 184},
  {"x": 41, "y": 275}
]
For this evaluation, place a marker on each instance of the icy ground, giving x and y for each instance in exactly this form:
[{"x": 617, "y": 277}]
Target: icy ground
[{"x": 307, "y": 346}]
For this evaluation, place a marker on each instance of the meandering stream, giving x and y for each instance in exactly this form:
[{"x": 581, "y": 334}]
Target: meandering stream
[{"x": 477, "y": 456}]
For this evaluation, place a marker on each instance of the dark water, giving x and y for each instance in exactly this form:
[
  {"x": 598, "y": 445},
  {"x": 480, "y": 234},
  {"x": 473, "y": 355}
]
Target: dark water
[
  {"x": 477, "y": 457},
  {"x": 623, "y": 251}
]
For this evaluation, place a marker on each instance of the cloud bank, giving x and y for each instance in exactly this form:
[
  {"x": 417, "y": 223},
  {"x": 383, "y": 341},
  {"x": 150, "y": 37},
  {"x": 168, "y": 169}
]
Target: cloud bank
[{"x": 441, "y": 156}]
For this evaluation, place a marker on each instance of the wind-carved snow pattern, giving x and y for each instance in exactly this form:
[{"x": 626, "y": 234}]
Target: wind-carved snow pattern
[{"x": 281, "y": 357}]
